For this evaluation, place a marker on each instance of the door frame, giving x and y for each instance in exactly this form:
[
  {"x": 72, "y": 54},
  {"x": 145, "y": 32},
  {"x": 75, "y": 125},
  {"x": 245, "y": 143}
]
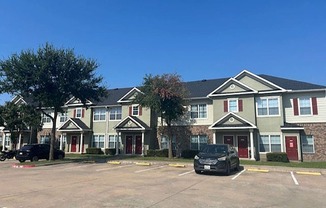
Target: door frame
[
  {"x": 233, "y": 142},
  {"x": 288, "y": 146},
  {"x": 247, "y": 146},
  {"x": 76, "y": 145},
  {"x": 132, "y": 144}
]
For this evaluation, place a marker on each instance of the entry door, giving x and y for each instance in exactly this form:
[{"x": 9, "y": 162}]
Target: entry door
[
  {"x": 228, "y": 140},
  {"x": 243, "y": 146},
  {"x": 291, "y": 147},
  {"x": 138, "y": 145},
  {"x": 128, "y": 144},
  {"x": 73, "y": 143}
]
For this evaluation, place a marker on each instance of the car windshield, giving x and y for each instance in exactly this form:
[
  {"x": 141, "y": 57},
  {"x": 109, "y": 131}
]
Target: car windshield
[
  {"x": 27, "y": 147},
  {"x": 215, "y": 149}
]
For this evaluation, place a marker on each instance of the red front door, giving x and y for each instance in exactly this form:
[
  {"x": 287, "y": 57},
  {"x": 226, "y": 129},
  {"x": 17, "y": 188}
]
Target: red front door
[
  {"x": 228, "y": 140},
  {"x": 128, "y": 144},
  {"x": 73, "y": 143},
  {"x": 291, "y": 147},
  {"x": 243, "y": 146},
  {"x": 138, "y": 145}
]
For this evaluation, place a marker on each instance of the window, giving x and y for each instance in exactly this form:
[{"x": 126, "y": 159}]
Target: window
[
  {"x": 113, "y": 141},
  {"x": 63, "y": 117},
  {"x": 270, "y": 143},
  {"x": 165, "y": 143},
  {"x": 305, "y": 106},
  {"x": 308, "y": 144},
  {"x": 198, "y": 142},
  {"x": 45, "y": 140},
  {"x": 79, "y": 113},
  {"x": 198, "y": 111},
  {"x": 98, "y": 141},
  {"x": 7, "y": 140},
  {"x": 99, "y": 114},
  {"x": 115, "y": 113},
  {"x": 268, "y": 106},
  {"x": 135, "y": 110},
  {"x": 233, "y": 105},
  {"x": 46, "y": 119}
]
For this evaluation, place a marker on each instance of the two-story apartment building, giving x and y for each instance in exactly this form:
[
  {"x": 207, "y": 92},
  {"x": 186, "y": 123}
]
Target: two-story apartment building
[{"x": 255, "y": 113}]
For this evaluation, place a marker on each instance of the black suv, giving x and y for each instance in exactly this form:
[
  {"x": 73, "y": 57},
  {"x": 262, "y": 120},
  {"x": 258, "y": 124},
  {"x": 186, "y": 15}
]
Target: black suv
[
  {"x": 217, "y": 158},
  {"x": 34, "y": 152}
]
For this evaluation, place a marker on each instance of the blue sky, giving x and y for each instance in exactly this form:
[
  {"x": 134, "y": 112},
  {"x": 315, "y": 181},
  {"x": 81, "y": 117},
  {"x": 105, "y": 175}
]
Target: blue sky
[{"x": 197, "y": 39}]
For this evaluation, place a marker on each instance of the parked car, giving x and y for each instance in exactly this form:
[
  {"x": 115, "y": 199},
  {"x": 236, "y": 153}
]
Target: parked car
[
  {"x": 34, "y": 152},
  {"x": 217, "y": 158}
]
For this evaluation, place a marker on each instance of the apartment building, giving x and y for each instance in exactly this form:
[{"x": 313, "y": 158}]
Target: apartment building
[{"x": 255, "y": 113}]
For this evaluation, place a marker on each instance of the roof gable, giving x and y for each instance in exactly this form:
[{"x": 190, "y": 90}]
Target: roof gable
[
  {"x": 232, "y": 121},
  {"x": 76, "y": 102},
  {"x": 232, "y": 87},
  {"x": 74, "y": 124},
  {"x": 130, "y": 95},
  {"x": 131, "y": 123}
]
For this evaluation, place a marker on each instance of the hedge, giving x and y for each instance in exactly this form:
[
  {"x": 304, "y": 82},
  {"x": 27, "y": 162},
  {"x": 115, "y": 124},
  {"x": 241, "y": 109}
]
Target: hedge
[
  {"x": 94, "y": 150},
  {"x": 110, "y": 151},
  {"x": 158, "y": 153},
  {"x": 277, "y": 157}
]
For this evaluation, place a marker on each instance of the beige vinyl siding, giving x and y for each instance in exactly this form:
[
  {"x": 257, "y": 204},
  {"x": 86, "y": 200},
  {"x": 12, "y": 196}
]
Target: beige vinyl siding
[
  {"x": 232, "y": 88},
  {"x": 254, "y": 84},
  {"x": 321, "y": 104}
]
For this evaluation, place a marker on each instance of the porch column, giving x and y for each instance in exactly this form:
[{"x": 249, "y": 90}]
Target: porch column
[
  {"x": 117, "y": 144},
  {"x": 214, "y": 138},
  {"x": 252, "y": 144},
  {"x": 61, "y": 142},
  {"x": 81, "y": 143},
  {"x": 20, "y": 141},
  {"x": 142, "y": 143}
]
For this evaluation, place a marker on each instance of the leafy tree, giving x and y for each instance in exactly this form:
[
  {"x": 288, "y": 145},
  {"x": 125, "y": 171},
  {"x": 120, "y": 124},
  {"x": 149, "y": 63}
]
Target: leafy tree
[
  {"x": 51, "y": 76},
  {"x": 165, "y": 95}
]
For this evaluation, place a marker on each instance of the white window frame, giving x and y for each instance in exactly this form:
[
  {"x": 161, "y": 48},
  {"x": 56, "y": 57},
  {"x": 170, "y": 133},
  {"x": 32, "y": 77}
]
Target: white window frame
[
  {"x": 63, "y": 117},
  {"x": 307, "y": 143},
  {"x": 270, "y": 142},
  {"x": 135, "y": 110},
  {"x": 310, "y": 105},
  {"x": 98, "y": 114},
  {"x": 79, "y": 113},
  {"x": 7, "y": 140},
  {"x": 45, "y": 119},
  {"x": 199, "y": 144},
  {"x": 114, "y": 138},
  {"x": 99, "y": 141},
  {"x": 267, "y": 106},
  {"x": 236, "y": 100},
  {"x": 199, "y": 111},
  {"x": 115, "y": 112},
  {"x": 45, "y": 139},
  {"x": 165, "y": 143}
]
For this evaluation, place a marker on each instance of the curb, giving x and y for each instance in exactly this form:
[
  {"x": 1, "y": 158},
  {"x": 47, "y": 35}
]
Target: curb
[
  {"x": 143, "y": 163},
  {"x": 114, "y": 162},
  {"x": 23, "y": 166},
  {"x": 309, "y": 173},
  {"x": 177, "y": 165},
  {"x": 258, "y": 170}
]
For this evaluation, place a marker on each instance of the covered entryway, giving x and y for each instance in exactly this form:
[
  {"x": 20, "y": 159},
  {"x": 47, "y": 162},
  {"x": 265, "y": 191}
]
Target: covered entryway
[
  {"x": 291, "y": 147},
  {"x": 128, "y": 144},
  {"x": 73, "y": 144},
  {"x": 228, "y": 140}
]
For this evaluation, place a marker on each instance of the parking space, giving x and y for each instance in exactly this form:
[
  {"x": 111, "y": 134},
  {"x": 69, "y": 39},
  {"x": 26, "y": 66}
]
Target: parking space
[{"x": 158, "y": 185}]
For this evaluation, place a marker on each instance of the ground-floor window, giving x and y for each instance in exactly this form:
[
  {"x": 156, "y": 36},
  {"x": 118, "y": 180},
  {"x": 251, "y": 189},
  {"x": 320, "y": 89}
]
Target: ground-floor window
[
  {"x": 98, "y": 141},
  {"x": 113, "y": 141},
  {"x": 165, "y": 143},
  {"x": 45, "y": 140},
  {"x": 7, "y": 140},
  {"x": 308, "y": 144},
  {"x": 270, "y": 143},
  {"x": 198, "y": 142}
]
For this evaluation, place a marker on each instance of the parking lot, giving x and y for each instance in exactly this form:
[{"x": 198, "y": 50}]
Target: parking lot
[{"x": 131, "y": 184}]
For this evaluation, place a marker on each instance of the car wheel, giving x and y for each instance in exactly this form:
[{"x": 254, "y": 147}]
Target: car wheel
[
  {"x": 198, "y": 171},
  {"x": 60, "y": 157},
  {"x": 21, "y": 161},
  {"x": 227, "y": 169},
  {"x": 35, "y": 158},
  {"x": 2, "y": 158}
]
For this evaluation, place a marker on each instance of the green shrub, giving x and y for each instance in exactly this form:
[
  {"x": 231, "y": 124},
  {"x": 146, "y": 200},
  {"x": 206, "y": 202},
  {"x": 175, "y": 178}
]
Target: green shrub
[
  {"x": 110, "y": 151},
  {"x": 94, "y": 150},
  {"x": 158, "y": 153},
  {"x": 277, "y": 157},
  {"x": 187, "y": 154}
]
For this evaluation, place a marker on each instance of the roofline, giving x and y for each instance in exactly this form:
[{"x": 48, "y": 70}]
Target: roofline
[
  {"x": 229, "y": 80},
  {"x": 235, "y": 115},
  {"x": 121, "y": 99}
]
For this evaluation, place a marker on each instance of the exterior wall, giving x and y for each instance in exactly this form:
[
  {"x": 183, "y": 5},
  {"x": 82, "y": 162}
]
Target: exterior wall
[{"x": 252, "y": 83}]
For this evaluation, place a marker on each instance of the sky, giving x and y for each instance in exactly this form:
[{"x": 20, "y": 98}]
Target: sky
[{"x": 196, "y": 39}]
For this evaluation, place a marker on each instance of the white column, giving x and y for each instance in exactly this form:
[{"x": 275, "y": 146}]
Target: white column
[
  {"x": 214, "y": 138},
  {"x": 20, "y": 141},
  {"x": 142, "y": 143},
  {"x": 61, "y": 142},
  {"x": 252, "y": 144},
  {"x": 3, "y": 141},
  {"x": 81, "y": 143},
  {"x": 117, "y": 144}
]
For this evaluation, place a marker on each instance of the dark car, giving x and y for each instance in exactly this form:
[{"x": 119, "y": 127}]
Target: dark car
[
  {"x": 217, "y": 158},
  {"x": 34, "y": 152}
]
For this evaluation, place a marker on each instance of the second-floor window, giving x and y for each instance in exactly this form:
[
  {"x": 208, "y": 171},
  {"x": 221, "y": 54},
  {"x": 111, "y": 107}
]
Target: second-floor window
[
  {"x": 305, "y": 106},
  {"x": 198, "y": 111},
  {"x": 115, "y": 113},
  {"x": 268, "y": 106},
  {"x": 99, "y": 114},
  {"x": 135, "y": 110},
  {"x": 63, "y": 117},
  {"x": 233, "y": 105},
  {"x": 46, "y": 119},
  {"x": 78, "y": 113}
]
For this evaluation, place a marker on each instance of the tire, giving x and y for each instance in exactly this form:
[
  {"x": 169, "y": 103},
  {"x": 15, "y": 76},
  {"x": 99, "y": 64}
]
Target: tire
[
  {"x": 35, "y": 158},
  {"x": 21, "y": 161},
  {"x": 198, "y": 171},
  {"x": 227, "y": 169},
  {"x": 2, "y": 158},
  {"x": 60, "y": 157}
]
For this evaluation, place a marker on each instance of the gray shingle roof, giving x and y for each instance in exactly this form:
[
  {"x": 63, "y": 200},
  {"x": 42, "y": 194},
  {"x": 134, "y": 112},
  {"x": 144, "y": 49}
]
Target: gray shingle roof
[
  {"x": 113, "y": 97},
  {"x": 199, "y": 89}
]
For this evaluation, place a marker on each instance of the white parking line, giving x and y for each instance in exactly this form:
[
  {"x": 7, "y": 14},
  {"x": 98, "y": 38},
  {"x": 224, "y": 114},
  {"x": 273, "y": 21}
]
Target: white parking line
[
  {"x": 238, "y": 174},
  {"x": 182, "y": 174},
  {"x": 144, "y": 170},
  {"x": 103, "y": 169},
  {"x": 294, "y": 179}
]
